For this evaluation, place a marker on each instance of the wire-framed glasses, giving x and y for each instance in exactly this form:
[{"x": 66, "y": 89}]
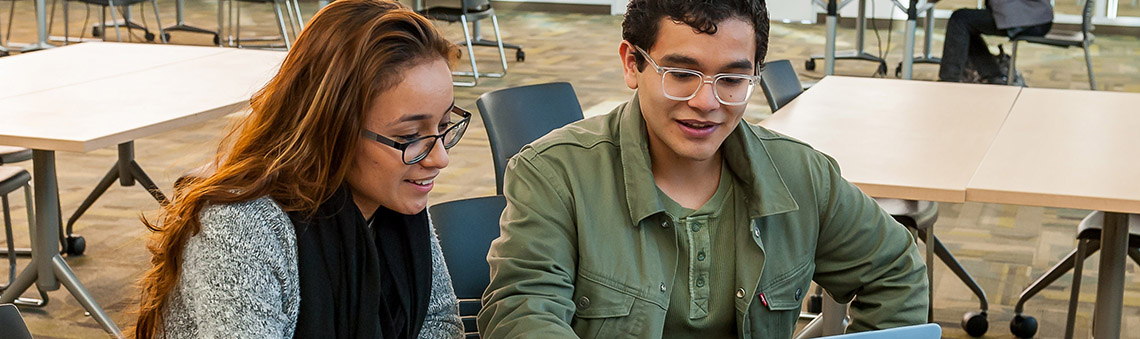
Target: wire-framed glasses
[
  {"x": 417, "y": 149},
  {"x": 682, "y": 84}
]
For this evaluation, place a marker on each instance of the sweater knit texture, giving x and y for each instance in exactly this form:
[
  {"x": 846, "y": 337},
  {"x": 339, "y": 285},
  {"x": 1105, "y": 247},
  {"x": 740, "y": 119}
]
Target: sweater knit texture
[{"x": 239, "y": 278}]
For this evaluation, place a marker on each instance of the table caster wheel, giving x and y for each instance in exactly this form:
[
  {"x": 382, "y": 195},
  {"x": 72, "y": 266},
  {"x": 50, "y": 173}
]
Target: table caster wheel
[
  {"x": 96, "y": 32},
  {"x": 810, "y": 64},
  {"x": 1023, "y": 326},
  {"x": 975, "y": 323},
  {"x": 520, "y": 56},
  {"x": 149, "y": 37}
]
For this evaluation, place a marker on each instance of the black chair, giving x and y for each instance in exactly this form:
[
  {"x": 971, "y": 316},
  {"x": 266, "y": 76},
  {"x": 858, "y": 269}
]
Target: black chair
[
  {"x": 13, "y": 323},
  {"x": 101, "y": 29},
  {"x": 11, "y": 179},
  {"x": 10, "y": 154},
  {"x": 473, "y": 11},
  {"x": 1088, "y": 242},
  {"x": 466, "y": 228},
  {"x": 780, "y": 83},
  {"x": 1063, "y": 39},
  {"x": 780, "y": 86},
  {"x": 516, "y": 116}
]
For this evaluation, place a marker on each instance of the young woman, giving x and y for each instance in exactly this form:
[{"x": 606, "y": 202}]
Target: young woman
[{"x": 313, "y": 221}]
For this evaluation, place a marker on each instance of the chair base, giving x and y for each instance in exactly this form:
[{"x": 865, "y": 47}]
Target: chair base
[{"x": 1088, "y": 243}]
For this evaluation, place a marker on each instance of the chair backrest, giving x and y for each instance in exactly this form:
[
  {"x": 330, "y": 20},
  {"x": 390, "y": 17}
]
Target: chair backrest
[
  {"x": 12, "y": 323},
  {"x": 924, "y": 331},
  {"x": 516, "y": 116},
  {"x": 780, "y": 83},
  {"x": 466, "y": 228}
]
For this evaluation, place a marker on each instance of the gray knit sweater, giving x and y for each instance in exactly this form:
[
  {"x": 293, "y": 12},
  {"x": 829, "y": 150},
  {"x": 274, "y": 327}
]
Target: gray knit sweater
[{"x": 239, "y": 279}]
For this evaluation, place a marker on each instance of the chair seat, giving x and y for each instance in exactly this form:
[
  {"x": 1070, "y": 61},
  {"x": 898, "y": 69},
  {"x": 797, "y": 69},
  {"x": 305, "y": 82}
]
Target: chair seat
[
  {"x": 451, "y": 14},
  {"x": 10, "y": 154},
  {"x": 1092, "y": 224},
  {"x": 12, "y": 178},
  {"x": 1059, "y": 38},
  {"x": 924, "y": 213}
]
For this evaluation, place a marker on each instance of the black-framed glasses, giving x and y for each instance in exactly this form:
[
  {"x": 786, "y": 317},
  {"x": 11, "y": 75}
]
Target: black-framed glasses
[
  {"x": 682, "y": 84},
  {"x": 417, "y": 149}
]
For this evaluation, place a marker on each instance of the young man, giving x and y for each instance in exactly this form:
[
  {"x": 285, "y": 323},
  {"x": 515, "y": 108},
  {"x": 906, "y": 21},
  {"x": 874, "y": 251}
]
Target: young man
[{"x": 669, "y": 217}]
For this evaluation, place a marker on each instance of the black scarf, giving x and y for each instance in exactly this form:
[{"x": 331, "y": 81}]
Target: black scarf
[{"x": 357, "y": 281}]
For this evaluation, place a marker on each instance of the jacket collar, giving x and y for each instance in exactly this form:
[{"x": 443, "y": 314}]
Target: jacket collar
[{"x": 745, "y": 154}]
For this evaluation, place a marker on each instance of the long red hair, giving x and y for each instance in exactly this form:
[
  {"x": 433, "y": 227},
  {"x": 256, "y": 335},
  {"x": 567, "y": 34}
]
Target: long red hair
[{"x": 297, "y": 144}]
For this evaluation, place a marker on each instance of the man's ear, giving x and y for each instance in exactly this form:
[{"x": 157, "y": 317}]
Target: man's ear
[{"x": 629, "y": 63}]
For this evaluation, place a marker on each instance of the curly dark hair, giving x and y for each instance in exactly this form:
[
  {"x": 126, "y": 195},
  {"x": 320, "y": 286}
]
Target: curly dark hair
[{"x": 643, "y": 18}]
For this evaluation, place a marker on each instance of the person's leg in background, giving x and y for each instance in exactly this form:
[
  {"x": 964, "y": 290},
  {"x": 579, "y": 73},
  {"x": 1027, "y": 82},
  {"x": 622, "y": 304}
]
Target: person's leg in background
[
  {"x": 984, "y": 62},
  {"x": 963, "y": 40}
]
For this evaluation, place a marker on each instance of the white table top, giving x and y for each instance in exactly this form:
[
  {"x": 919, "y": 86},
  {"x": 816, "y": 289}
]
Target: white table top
[
  {"x": 1065, "y": 148},
  {"x": 95, "y": 110},
  {"x": 77, "y": 63},
  {"x": 900, "y": 139}
]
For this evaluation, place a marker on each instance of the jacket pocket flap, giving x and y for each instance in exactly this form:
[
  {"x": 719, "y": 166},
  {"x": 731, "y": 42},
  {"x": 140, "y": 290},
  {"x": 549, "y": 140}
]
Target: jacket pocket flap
[
  {"x": 596, "y": 300},
  {"x": 787, "y": 291}
]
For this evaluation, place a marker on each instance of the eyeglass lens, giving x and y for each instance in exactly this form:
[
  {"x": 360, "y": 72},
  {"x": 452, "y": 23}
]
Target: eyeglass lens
[{"x": 682, "y": 84}]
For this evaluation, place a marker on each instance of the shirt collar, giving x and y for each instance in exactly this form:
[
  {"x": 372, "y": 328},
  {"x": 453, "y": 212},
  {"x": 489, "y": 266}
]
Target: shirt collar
[{"x": 744, "y": 152}]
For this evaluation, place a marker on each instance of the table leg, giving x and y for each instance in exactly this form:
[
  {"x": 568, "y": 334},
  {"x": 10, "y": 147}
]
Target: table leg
[
  {"x": 47, "y": 266},
  {"x": 829, "y": 48},
  {"x": 1110, "y": 285},
  {"x": 41, "y": 28},
  {"x": 908, "y": 50}
]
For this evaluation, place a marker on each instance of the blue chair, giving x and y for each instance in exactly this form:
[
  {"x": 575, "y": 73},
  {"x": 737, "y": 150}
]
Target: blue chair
[
  {"x": 12, "y": 323},
  {"x": 780, "y": 84},
  {"x": 466, "y": 228},
  {"x": 516, "y": 116}
]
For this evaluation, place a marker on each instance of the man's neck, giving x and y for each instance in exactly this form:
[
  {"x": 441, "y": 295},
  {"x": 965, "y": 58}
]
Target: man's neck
[{"x": 691, "y": 183}]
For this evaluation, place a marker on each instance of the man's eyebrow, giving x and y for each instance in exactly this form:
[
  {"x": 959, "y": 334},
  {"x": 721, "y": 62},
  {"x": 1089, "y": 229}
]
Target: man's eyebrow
[
  {"x": 681, "y": 60},
  {"x": 740, "y": 64},
  {"x": 677, "y": 59}
]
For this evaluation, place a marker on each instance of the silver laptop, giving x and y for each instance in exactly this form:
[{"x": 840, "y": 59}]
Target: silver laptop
[{"x": 924, "y": 331}]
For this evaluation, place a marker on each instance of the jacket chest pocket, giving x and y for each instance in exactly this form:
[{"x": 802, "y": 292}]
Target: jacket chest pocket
[
  {"x": 778, "y": 301},
  {"x": 603, "y": 311}
]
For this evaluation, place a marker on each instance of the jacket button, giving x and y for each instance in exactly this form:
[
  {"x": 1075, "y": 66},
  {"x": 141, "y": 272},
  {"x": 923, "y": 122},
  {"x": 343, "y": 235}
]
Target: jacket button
[
  {"x": 664, "y": 224},
  {"x": 799, "y": 293},
  {"x": 696, "y": 227},
  {"x": 701, "y": 256},
  {"x": 755, "y": 231},
  {"x": 740, "y": 293},
  {"x": 662, "y": 287},
  {"x": 700, "y": 281},
  {"x": 584, "y": 302}
]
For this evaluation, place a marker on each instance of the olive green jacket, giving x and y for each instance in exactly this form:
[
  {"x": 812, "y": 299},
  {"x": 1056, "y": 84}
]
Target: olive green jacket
[{"x": 586, "y": 251}]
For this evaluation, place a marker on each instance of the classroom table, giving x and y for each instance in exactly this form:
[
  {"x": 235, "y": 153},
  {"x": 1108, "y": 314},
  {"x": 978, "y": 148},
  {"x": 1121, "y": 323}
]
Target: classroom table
[
  {"x": 897, "y": 139},
  {"x": 912, "y": 140},
  {"x": 1072, "y": 149},
  {"x": 92, "y": 108}
]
